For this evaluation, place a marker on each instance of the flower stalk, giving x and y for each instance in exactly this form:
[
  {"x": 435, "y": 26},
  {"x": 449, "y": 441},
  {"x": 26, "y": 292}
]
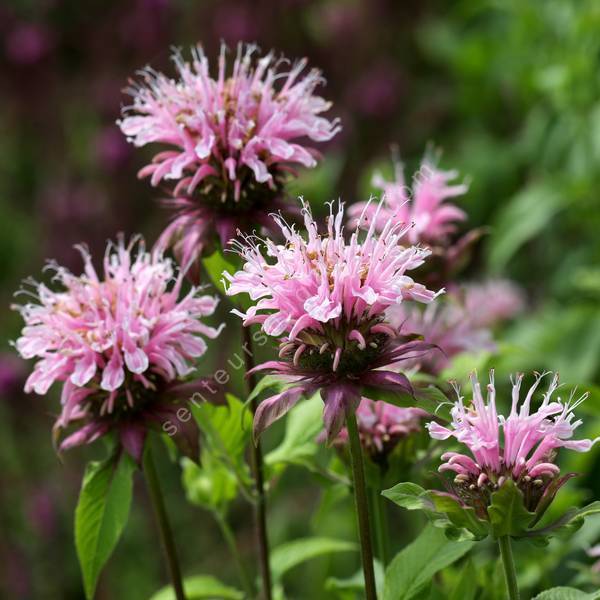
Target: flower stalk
[
  {"x": 509, "y": 567},
  {"x": 162, "y": 520},
  {"x": 362, "y": 506},
  {"x": 260, "y": 517},
  {"x": 233, "y": 549},
  {"x": 380, "y": 524}
]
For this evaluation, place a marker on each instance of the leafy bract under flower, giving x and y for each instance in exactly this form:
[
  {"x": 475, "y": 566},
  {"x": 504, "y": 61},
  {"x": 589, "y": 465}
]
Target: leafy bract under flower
[{"x": 115, "y": 340}]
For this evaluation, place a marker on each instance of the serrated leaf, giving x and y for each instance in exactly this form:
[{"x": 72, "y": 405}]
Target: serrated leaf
[
  {"x": 566, "y": 593},
  {"x": 413, "y": 568},
  {"x": 101, "y": 514},
  {"x": 201, "y": 587},
  {"x": 507, "y": 512},
  {"x": 291, "y": 554}
]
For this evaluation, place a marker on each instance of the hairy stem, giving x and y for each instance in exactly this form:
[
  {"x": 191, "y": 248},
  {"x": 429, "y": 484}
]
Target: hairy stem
[
  {"x": 162, "y": 520},
  {"x": 509, "y": 567},
  {"x": 260, "y": 517},
  {"x": 362, "y": 506}
]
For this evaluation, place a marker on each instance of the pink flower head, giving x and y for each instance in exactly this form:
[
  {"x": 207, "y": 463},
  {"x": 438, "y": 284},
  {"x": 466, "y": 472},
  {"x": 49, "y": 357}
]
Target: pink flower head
[
  {"x": 325, "y": 299},
  {"x": 521, "y": 446},
  {"x": 231, "y": 140},
  {"x": 424, "y": 204},
  {"x": 382, "y": 426},
  {"x": 117, "y": 342}
]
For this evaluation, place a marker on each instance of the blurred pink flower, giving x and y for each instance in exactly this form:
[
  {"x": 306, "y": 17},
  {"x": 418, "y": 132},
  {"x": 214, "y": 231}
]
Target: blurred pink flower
[
  {"x": 382, "y": 425},
  {"x": 594, "y": 552},
  {"x": 115, "y": 341},
  {"x": 521, "y": 446},
  {"x": 28, "y": 43},
  {"x": 232, "y": 140},
  {"x": 493, "y": 301},
  {"x": 325, "y": 298},
  {"x": 424, "y": 204},
  {"x": 461, "y": 322},
  {"x": 377, "y": 91}
]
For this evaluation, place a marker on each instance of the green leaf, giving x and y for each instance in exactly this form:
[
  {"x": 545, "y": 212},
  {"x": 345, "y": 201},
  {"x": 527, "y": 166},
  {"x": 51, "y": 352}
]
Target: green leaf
[
  {"x": 303, "y": 425},
  {"x": 460, "y": 516},
  {"x": 507, "y": 512},
  {"x": 215, "y": 265},
  {"x": 101, "y": 514},
  {"x": 201, "y": 587},
  {"x": 428, "y": 398},
  {"x": 566, "y": 593},
  {"x": 413, "y": 568},
  {"x": 410, "y": 496},
  {"x": 291, "y": 554},
  {"x": 355, "y": 583},
  {"x": 226, "y": 429},
  {"x": 460, "y": 522},
  {"x": 466, "y": 586},
  {"x": 570, "y": 522},
  {"x": 265, "y": 383},
  {"x": 211, "y": 485},
  {"x": 521, "y": 219}
]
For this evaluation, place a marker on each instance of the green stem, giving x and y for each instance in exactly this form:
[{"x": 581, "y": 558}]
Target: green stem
[
  {"x": 260, "y": 512},
  {"x": 362, "y": 506},
  {"x": 160, "y": 513},
  {"x": 509, "y": 567},
  {"x": 233, "y": 549},
  {"x": 380, "y": 524}
]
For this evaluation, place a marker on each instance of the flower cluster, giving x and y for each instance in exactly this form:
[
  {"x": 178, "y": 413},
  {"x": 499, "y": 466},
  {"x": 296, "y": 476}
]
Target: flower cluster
[
  {"x": 325, "y": 297},
  {"x": 382, "y": 426},
  {"x": 232, "y": 138},
  {"x": 117, "y": 342},
  {"x": 424, "y": 205},
  {"x": 460, "y": 322},
  {"x": 521, "y": 446}
]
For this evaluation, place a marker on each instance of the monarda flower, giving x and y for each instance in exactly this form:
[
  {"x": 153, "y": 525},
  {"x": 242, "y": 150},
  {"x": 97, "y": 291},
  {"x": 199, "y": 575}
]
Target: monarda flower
[
  {"x": 424, "y": 204},
  {"x": 232, "y": 140},
  {"x": 325, "y": 299},
  {"x": 382, "y": 426},
  {"x": 120, "y": 344},
  {"x": 521, "y": 447}
]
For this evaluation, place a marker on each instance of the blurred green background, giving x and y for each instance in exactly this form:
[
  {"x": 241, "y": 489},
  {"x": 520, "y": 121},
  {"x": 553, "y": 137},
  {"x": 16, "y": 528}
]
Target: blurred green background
[{"x": 510, "y": 91}]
